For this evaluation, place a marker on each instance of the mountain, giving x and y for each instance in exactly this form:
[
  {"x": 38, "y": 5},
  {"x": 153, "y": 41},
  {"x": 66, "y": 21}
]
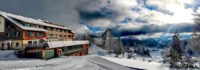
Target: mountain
[{"x": 160, "y": 42}]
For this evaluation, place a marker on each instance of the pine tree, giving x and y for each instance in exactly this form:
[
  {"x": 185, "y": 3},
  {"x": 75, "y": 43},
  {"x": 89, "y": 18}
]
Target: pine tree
[{"x": 176, "y": 51}]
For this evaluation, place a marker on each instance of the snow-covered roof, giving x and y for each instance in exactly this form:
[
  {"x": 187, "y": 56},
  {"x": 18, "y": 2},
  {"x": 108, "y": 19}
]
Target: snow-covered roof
[
  {"x": 20, "y": 25},
  {"x": 66, "y": 43},
  {"x": 31, "y": 20}
]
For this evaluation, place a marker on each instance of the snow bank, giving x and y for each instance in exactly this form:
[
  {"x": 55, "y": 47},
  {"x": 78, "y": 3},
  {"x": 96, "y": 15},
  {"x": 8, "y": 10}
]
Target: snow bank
[
  {"x": 137, "y": 63},
  {"x": 95, "y": 50},
  {"x": 7, "y": 55}
]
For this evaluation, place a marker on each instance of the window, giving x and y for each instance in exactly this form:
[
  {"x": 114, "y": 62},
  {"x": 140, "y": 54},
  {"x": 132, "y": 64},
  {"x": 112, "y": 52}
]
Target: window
[
  {"x": 29, "y": 34},
  {"x": 12, "y": 44},
  {"x": 39, "y": 34},
  {"x": 17, "y": 45},
  {"x": 57, "y": 29},
  {"x": 2, "y": 45},
  {"x": 70, "y": 47},
  {"x": 51, "y": 28},
  {"x": 41, "y": 41},
  {"x": 8, "y": 35},
  {"x": 68, "y": 31},
  {"x": 16, "y": 34},
  {"x": 8, "y": 26},
  {"x": 61, "y": 30},
  {"x": 8, "y": 46},
  {"x": 28, "y": 25},
  {"x": 35, "y": 42},
  {"x": 51, "y": 34},
  {"x": 45, "y": 27},
  {"x": 29, "y": 42},
  {"x": 37, "y": 26}
]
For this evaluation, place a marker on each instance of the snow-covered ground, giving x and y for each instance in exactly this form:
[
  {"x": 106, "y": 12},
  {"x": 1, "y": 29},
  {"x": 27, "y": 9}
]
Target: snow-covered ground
[
  {"x": 97, "y": 59},
  {"x": 138, "y": 63},
  {"x": 95, "y": 50},
  {"x": 90, "y": 62}
]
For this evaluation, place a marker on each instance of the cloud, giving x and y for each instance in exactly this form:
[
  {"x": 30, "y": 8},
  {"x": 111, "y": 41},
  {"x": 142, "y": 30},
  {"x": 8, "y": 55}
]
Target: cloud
[
  {"x": 161, "y": 35},
  {"x": 123, "y": 16},
  {"x": 151, "y": 29}
]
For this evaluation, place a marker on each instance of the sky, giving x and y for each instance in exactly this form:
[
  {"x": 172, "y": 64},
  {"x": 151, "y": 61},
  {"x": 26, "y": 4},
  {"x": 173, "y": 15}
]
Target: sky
[{"x": 124, "y": 17}]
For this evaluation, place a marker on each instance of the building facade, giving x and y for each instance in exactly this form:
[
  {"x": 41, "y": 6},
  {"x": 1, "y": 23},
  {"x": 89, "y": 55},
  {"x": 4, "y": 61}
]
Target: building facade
[{"x": 18, "y": 32}]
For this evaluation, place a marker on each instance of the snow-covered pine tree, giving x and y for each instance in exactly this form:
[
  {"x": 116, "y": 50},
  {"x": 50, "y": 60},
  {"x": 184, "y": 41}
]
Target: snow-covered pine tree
[
  {"x": 194, "y": 42},
  {"x": 174, "y": 52}
]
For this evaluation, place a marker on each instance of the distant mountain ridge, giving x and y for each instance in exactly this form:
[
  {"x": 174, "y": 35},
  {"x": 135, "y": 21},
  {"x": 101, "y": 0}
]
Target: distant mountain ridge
[{"x": 161, "y": 42}]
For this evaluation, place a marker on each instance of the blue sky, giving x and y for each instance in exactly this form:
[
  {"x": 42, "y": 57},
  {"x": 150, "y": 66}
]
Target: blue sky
[{"x": 125, "y": 17}]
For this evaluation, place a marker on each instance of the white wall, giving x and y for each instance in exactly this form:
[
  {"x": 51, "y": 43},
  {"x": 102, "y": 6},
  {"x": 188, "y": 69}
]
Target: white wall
[{"x": 2, "y": 24}]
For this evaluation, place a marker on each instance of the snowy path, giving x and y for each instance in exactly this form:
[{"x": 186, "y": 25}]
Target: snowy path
[
  {"x": 137, "y": 63},
  {"x": 90, "y": 62}
]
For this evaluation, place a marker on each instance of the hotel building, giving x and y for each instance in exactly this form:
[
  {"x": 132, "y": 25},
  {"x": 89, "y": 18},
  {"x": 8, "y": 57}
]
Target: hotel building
[{"x": 38, "y": 38}]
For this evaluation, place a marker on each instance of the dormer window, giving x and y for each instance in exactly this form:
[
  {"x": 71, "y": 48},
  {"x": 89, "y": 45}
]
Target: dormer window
[
  {"x": 51, "y": 28},
  {"x": 37, "y": 26},
  {"x": 69, "y": 36},
  {"x": 45, "y": 27},
  {"x": 57, "y": 29},
  {"x": 27, "y": 24}
]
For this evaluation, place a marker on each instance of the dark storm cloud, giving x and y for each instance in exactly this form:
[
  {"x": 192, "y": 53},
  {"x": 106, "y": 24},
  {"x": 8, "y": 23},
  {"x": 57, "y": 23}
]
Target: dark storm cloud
[
  {"x": 53, "y": 10},
  {"x": 150, "y": 29},
  {"x": 101, "y": 13},
  {"x": 24, "y": 7}
]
